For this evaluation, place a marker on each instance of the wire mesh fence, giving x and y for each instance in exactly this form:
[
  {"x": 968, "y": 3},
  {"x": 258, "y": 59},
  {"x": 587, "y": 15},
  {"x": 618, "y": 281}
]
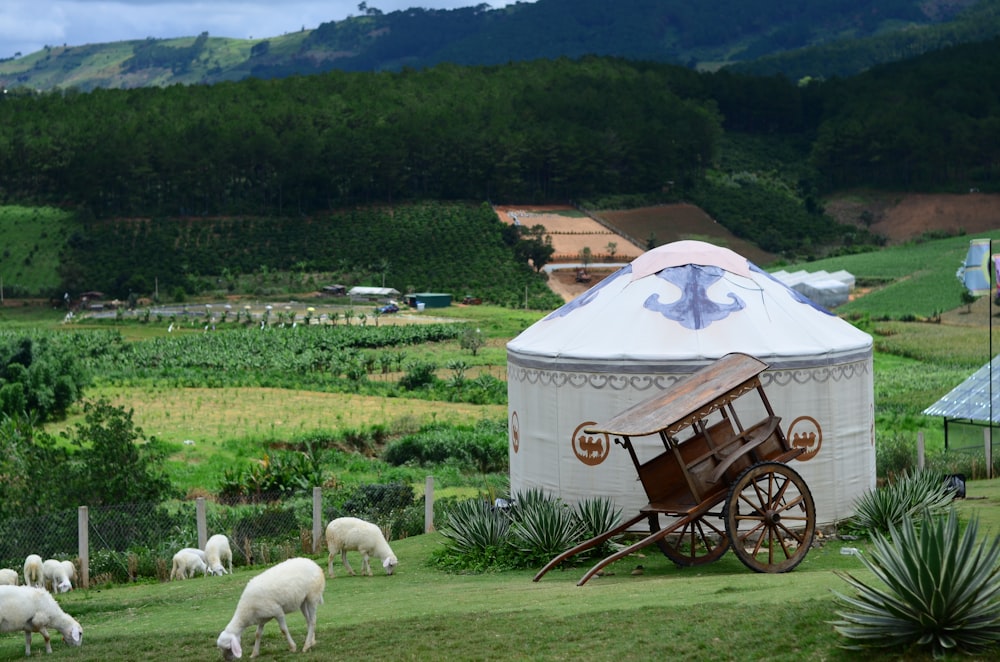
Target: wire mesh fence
[{"x": 129, "y": 542}]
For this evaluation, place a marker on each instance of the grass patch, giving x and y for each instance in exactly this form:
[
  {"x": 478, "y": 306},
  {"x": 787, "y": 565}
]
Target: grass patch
[{"x": 717, "y": 611}]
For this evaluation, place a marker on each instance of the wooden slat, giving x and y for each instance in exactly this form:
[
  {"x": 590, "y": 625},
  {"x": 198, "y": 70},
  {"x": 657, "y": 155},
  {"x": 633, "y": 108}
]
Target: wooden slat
[{"x": 718, "y": 381}]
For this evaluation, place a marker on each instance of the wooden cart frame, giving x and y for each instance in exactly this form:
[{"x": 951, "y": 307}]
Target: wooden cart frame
[{"x": 717, "y": 482}]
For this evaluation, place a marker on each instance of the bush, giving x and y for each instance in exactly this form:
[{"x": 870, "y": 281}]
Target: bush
[
  {"x": 482, "y": 448},
  {"x": 527, "y": 531},
  {"x": 876, "y": 511},
  {"x": 938, "y": 588}
]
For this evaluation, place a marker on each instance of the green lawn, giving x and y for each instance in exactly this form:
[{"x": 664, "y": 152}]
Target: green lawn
[{"x": 720, "y": 611}]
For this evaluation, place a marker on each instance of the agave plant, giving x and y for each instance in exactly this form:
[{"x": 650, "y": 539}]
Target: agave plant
[
  {"x": 941, "y": 589},
  {"x": 908, "y": 496},
  {"x": 596, "y": 516},
  {"x": 474, "y": 526},
  {"x": 542, "y": 526}
]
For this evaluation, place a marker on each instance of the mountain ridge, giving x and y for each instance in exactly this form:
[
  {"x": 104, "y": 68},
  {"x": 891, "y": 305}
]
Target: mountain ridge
[{"x": 727, "y": 34}]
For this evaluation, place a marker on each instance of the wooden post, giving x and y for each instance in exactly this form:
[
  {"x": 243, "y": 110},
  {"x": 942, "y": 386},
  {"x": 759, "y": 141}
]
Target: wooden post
[
  {"x": 429, "y": 504},
  {"x": 202, "y": 521},
  {"x": 317, "y": 518},
  {"x": 83, "y": 545},
  {"x": 920, "y": 450},
  {"x": 988, "y": 441}
]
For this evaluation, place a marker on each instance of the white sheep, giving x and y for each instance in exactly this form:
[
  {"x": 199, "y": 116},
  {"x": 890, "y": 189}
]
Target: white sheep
[
  {"x": 70, "y": 569},
  {"x": 8, "y": 577},
  {"x": 33, "y": 610},
  {"x": 186, "y": 564},
  {"x": 351, "y": 533},
  {"x": 216, "y": 551},
  {"x": 200, "y": 553},
  {"x": 54, "y": 576},
  {"x": 297, "y": 583},
  {"x": 33, "y": 571}
]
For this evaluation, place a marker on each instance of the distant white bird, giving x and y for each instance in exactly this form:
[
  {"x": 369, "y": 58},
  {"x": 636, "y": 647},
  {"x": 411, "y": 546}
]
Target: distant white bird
[{"x": 170, "y": 329}]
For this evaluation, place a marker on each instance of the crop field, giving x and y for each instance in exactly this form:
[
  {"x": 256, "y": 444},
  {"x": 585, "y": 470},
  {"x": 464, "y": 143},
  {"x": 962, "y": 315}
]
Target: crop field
[{"x": 674, "y": 222}]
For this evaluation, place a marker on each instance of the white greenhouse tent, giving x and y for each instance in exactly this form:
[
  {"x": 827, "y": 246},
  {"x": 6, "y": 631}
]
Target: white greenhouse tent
[{"x": 671, "y": 311}]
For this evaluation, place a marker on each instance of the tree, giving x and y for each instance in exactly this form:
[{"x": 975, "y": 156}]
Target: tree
[
  {"x": 39, "y": 377},
  {"x": 612, "y": 248},
  {"x": 586, "y": 255},
  {"x": 112, "y": 467},
  {"x": 968, "y": 298}
]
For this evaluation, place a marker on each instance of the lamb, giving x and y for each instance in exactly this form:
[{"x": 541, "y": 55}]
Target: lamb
[
  {"x": 197, "y": 552},
  {"x": 216, "y": 551},
  {"x": 351, "y": 533},
  {"x": 33, "y": 610},
  {"x": 297, "y": 583},
  {"x": 54, "y": 576},
  {"x": 186, "y": 564},
  {"x": 70, "y": 568},
  {"x": 33, "y": 571},
  {"x": 8, "y": 577}
]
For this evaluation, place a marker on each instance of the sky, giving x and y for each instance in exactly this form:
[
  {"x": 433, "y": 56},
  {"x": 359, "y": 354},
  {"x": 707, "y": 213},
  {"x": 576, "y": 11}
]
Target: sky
[{"x": 27, "y": 26}]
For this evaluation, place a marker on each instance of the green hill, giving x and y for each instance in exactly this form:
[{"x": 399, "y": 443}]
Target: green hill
[{"x": 839, "y": 37}]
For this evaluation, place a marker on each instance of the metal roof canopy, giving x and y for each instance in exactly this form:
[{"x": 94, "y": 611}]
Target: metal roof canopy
[{"x": 974, "y": 401}]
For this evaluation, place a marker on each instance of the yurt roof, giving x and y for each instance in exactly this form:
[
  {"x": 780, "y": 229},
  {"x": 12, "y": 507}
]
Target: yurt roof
[{"x": 684, "y": 301}]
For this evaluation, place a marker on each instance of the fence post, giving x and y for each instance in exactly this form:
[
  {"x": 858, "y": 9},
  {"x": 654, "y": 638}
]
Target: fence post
[
  {"x": 83, "y": 544},
  {"x": 317, "y": 518},
  {"x": 988, "y": 440},
  {"x": 202, "y": 522},
  {"x": 920, "y": 450},
  {"x": 428, "y": 504}
]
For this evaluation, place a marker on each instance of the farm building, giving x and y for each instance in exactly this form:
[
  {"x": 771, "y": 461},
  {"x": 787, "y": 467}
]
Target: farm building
[
  {"x": 334, "y": 290},
  {"x": 669, "y": 312},
  {"x": 372, "y": 293},
  {"x": 428, "y": 299},
  {"x": 970, "y": 407},
  {"x": 827, "y": 289}
]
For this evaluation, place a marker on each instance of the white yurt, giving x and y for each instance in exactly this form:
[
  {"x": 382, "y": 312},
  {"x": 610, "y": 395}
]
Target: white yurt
[{"x": 670, "y": 312}]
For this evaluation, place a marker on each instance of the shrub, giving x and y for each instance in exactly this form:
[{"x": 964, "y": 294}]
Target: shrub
[
  {"x": 876, "y": 511},
  {"x": 941, "y": 589}
]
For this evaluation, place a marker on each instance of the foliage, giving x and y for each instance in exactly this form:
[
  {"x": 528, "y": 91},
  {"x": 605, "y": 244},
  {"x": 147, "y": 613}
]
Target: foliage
[
  {"x": 110, "y": 466},
  {"x": 939, "y": 588},
  {"x": 909, "y": 496},
  {"x": 471, "y": 340},
  {"x": 524, "y": 531},
  {"x": 480, "y": 448},
  {"x": 271, "y": 478},
  {"x": 39, "y": 376}
]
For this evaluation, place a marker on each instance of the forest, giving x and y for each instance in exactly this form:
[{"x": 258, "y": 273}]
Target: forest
[{"x": 757, "y": 153}]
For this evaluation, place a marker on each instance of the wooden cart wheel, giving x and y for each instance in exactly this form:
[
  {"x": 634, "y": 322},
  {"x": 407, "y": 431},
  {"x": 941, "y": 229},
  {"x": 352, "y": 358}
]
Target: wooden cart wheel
[
  {"x": 696, "y": 543},
  {"x": 770, "y": 517}
]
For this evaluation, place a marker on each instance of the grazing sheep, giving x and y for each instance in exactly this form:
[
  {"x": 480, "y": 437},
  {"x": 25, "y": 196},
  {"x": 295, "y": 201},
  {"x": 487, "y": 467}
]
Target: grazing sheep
[
  {"x": 33, "y": 610},
  {"x": 351, "y": 533},
  {"x": 197, "y": 552},
  {"x": 8, "y": 577},
  {"x": 186, "y": 564},
  {"x": 54, "y": 576},
  {"x": 70, "y": 569},
  {"x": 33, "y": 571},
  {"x": 293, "y": 584},
  {"x": 216, "y": 551}
]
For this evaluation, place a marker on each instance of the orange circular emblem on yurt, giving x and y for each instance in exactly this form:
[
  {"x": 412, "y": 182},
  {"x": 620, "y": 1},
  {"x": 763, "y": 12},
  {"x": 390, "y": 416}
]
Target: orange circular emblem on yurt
[
  {"x": 805, "y": 432},
  {"x": 591, "y": 449},
  {"x": 515, "y": 432}
]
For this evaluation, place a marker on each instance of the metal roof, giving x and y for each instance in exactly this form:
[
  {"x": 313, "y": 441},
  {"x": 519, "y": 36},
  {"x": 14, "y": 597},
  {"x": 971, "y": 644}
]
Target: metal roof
[{"x": 970, "y": 400}]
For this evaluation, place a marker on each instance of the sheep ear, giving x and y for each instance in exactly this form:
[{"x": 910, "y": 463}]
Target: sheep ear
[{"x": 236, "y": 647}]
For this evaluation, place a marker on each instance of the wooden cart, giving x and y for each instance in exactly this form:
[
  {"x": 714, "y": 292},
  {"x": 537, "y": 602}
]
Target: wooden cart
[{"x": 717, "y": 482}]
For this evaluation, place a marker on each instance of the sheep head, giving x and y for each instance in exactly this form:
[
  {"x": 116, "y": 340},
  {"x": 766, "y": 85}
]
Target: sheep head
[
  {"x": 73, "y": 634},
  {"x": 389, "y": 563},
  {"x": 229, "y": 644}
]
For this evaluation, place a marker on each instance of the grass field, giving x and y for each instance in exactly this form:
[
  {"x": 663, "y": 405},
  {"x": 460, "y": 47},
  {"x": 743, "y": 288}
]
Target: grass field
[{"x": 718, "y": 611}]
